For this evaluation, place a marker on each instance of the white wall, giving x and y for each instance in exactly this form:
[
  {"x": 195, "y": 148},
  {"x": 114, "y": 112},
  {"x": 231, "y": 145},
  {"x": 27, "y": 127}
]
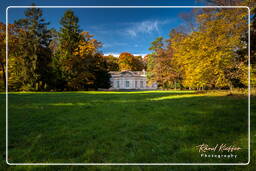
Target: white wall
[{"x": 122, "y": 83}]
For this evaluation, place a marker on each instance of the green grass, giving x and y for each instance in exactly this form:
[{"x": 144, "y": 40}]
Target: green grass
[{"x": 125, "y": 127}]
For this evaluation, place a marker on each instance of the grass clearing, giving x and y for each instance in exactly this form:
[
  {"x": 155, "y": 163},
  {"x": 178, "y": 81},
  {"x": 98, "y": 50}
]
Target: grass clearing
[{"x": 133, "y": 127}]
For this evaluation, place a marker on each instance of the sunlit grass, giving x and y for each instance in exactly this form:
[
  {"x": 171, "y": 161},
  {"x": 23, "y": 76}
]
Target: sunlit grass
[
  {"x": 178, "y": 96},
  {"x": 104, "y": 92},
  {"x": 142, "y": 126}
]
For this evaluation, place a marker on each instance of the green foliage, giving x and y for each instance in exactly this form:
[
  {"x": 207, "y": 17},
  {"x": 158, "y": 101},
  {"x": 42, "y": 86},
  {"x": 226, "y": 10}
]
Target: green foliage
[
  {"x": 82, "y": 66},
  {"x": 2, "y": 56},
  {"x": 112, "y": 63},
  {"x": 68, "y": 38},
  {"x": 88, "y": 71},
  {"x": 139, "y": 63},
  {"x": 44, "y": 59},
  {"x": 160, "y": 66},
  {"x": 213, "y": 55},
  {"x": 69, "y": 35},
  {"x": 30, "y": 59},
  {"x": 157, "y": 44},
  {"x": 253, "y": 38}
]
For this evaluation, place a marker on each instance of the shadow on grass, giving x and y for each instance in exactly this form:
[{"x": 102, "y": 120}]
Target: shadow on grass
[
  {"x": 123, "y": 127},
  {"x": 70, "y": 98}
]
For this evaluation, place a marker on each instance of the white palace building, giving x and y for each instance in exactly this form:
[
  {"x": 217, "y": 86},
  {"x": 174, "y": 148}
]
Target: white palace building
[{"x": 130, "y": 80}]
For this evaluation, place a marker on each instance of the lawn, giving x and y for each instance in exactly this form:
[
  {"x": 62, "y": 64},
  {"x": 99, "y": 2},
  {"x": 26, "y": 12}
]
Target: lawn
[{"x": 124, "y": 127}]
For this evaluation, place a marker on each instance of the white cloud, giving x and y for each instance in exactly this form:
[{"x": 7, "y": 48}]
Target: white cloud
[
  {"x": 113, "y": 54},
  {"x": 140, "y": 54},
  {"x": 117, "y": 54},
  {"x": 132, "y": 33},
  {"x": 147, "y": 26}
]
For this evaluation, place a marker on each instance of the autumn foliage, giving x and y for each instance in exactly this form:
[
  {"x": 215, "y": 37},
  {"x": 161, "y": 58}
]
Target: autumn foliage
[
  {"x": 127, "y": 61},
  {"x": 211, "y": 52},
  {"x": 207, "y": 58}
]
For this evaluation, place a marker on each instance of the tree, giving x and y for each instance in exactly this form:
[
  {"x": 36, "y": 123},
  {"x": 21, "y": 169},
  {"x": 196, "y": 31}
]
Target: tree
[
  {"x": 101, "y": 72},
  {"x": 69, "y": 35},
  {"x": 14, "y": 60},
  {"x": 160, "y": 66},
  {"x": 69, "y": 38},
  {"x": 253, "y": 37},
  {"x": 190, "y": 20},
  {"x": 224, "y": 2},
  {"x": 139, "y": 63},
  {"x": 127, "y": 61},
  {"x": 253, "y": 47},
  {"x": 33, "y": 41},
  {"x": 112, "y": 63},
  {"x": 208, "y": 57},
  {"x": 145, "y": 61},
  {"x": 243, "y": 52},
  {"x": 87, "y": 67},
  {"x": 157, "y": 45},
  {"x": 2, "y": 53}
]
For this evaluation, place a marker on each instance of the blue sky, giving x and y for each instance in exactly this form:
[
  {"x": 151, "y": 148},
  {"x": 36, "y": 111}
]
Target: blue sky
[{"x": 120, "y": 30}]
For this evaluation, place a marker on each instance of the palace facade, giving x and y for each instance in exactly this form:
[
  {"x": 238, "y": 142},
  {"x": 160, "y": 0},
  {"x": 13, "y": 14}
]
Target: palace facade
[{"x": 130, "y": 80}]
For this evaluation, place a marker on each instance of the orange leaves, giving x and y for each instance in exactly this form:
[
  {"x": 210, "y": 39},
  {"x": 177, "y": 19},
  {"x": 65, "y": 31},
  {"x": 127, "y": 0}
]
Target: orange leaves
[
  {"x": 87, "y": 45},
  {"x": 127, "y": 61},
  {"x": 12, "y": 39}
]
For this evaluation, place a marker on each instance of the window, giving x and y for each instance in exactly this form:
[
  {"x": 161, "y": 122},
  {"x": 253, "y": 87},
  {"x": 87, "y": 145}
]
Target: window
[
  {"x": 117, "y": 84},
  {"x": 135, "y": 84},
  {"x": 126, "y": 83},
  {"x": 141, "y": 84}
]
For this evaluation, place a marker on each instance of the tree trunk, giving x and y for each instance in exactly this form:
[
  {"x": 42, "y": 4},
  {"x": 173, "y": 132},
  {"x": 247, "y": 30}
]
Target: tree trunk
[
  {"x": 231, "y": 88},
  {"x": 4, "y": 76}
]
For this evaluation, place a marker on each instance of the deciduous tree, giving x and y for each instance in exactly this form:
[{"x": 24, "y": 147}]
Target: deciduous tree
[
  {"x": 87, "y": 67},
  {"x": 208, "y": 56},
  {"x": 160, "y": 66},
  {"x": 112, "y": 63},
  {"x": 127, "y": 61}
]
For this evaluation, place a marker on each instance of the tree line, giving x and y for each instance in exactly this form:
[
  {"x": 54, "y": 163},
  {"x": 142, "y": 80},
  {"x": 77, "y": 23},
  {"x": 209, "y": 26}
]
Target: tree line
[
  {"x": 43, "y": 59},
  {"x": 211, "y": 52}
]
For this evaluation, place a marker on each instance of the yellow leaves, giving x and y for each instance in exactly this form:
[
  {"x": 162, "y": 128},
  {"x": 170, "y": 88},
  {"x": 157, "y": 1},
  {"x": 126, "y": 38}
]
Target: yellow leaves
[
  {"x": 207, "y": 56},
  {"x": 85, "y": 48},
  {"x": 87, "y": 45},
  {"x": 202, "y": 17},
  {"x": 126, "y": 61},
  {"x": 86, "y": 35}
]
